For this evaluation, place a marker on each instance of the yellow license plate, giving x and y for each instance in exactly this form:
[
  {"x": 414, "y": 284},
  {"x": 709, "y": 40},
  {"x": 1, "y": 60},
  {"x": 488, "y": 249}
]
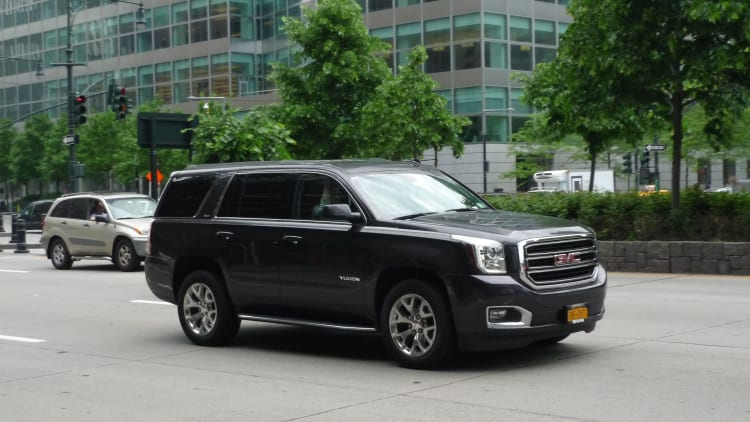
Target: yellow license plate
[{"x": 577, "y": 314}]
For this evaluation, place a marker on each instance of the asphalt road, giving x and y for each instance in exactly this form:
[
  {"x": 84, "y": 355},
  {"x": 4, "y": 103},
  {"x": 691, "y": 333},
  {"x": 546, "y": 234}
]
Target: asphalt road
[{"x": 93, "y": 344}]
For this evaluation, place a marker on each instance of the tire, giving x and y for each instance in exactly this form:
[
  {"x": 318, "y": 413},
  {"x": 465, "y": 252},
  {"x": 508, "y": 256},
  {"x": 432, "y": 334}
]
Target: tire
[
  {"x": 416, "y": 325},
  {"x": 206, "y": 314},
  {"x": 124, "y": 256},
  {"x": 58, "y": 254}
]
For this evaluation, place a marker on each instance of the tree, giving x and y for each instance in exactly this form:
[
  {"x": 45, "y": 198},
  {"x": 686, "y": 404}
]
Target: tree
[
  {"x": 665, "y": 55},
  {"x": 54, "y": 164},
  {"x": 580, "y": 93},
  {"x": 222, "y": 136},
  {"x": 405, "y": 117},
  {"x": 25, "y": 151},
  {"x": 335, "y": 73}
]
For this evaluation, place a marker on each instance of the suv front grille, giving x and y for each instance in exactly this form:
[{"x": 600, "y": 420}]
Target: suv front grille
[{"x": 558, "y": 262}]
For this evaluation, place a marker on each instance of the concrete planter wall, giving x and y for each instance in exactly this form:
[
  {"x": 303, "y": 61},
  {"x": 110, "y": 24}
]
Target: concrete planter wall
[{"x": 676, "y": 257}]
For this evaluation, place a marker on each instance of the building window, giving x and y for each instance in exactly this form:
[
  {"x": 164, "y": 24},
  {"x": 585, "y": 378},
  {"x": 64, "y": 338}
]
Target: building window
[
  {"x": 145, "y": 75},
  {"x": 496, "y": 55},
  {"x": 180, "y": 12},
  {"x": 468, "y": 55},
  {"x": 374, "y": 5},
  {"x": 198, "y": 9},
  {"x": 145, "y": 43},
  {"x": 219, "y": 27},
  {"x": 200, "y": 67},
  {"x": 496, "y": 99},
  {"x": 438, "y": 59},
  {"x": 544, "y": 55},
  {"x": 437, "y": 31},
  {"x": 198, "y": 31},
  {"x": 161, "y": 38},
  {"x": 405, "y": 3},
  {"x": 127, "y": 45},
  {"x": 160, "y": 16},
  {"x": 408, "y": 36},
  {"x": 468, "y": 100},
  {"x": 181, "y": 70},
  {"x": 544, "y": 32},
  {"x": 163, "y": 73},
  {"x": 520, "y": 57},
  {"x": 520, "y": 29},
  {"x": 466, "y": 27},
  {"x": 180, "y": 35},
  {"x": 495, "y": 26}
]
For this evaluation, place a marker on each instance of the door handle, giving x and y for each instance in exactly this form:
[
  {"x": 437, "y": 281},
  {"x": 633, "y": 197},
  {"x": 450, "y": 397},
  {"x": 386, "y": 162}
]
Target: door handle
[
  {"x": 225, "y": 235},
  {"x": 294, "y": 240}
]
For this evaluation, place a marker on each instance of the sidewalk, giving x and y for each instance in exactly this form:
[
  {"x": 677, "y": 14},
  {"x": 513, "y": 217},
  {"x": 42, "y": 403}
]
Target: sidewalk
[{"x": 32, "y": 241}]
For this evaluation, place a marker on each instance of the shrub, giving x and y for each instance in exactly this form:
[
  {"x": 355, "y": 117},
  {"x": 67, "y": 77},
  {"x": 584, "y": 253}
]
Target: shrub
[{"x": 629, "y": 216}]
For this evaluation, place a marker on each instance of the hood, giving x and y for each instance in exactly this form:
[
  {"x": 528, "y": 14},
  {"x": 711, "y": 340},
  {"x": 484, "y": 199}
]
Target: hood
[
  {"x": 142, "y": 225},
  {"x": 507, "y": 224}
]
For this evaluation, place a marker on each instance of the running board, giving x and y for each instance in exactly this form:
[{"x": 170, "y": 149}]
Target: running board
[{"x": 306, "y": 323}]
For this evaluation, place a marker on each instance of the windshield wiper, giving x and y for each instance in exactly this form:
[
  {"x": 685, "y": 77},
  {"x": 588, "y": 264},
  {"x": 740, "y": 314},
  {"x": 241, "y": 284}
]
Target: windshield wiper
[
  {"x": 461, "y": 209},
  {"x": 415, "y": 215}
]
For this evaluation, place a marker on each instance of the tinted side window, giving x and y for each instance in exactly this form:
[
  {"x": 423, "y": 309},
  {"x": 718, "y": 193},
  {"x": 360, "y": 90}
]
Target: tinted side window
[
  {"x": 61, "y": 210},
  {"x": 263, "y": 195},
  {"x": 316, "y": 190},
  {"x": 183, "y": 196}
]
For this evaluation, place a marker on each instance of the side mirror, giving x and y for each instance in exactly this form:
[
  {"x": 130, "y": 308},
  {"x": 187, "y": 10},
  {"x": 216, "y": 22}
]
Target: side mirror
[{"x": 341, "y": 212}]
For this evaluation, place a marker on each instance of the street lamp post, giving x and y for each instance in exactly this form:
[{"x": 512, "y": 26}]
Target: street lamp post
[
  {"x": 39, "y": 68},
  {"x": 485, "y": 163}
]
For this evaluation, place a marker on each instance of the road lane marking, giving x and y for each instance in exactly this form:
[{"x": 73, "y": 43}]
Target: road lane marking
[
  {"x": 14, "y": 271},
  {"x": 150, "y": 302},
  {"x": 23, "y": 339}
]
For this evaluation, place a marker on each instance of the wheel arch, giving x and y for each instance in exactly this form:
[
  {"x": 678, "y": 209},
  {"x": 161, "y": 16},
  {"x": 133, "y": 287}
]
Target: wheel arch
[
  {"x": 391, "y": 277},
  {"x": 187, "y": 264}
]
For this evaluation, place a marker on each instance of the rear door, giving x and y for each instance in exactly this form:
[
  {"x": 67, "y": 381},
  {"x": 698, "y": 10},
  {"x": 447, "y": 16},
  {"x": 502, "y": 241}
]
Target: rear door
[{"x": 247, "y": 232}]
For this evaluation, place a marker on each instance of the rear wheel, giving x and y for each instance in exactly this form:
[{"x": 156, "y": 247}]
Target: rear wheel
[
  {"x": 206, "y": 314},
  {"x": 124, "y": 257},
  {"x": 417, "y": 327},
  {"x": 59, "y": 255}
]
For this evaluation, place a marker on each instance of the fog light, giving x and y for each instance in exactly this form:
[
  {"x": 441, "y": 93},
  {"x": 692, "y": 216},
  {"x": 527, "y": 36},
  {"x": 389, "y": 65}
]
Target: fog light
[
  {"x": 496, "y": 315},
  {"x": 508, "y": 317}
]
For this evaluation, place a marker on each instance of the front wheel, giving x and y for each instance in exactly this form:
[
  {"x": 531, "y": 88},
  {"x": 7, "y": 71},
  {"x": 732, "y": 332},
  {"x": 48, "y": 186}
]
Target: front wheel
[
  {"x": 59, "y": 255},
  {"x": 206, "y": 314},
  {"x": 124, "y": 257},
  {"x": 417, "y": 327}
]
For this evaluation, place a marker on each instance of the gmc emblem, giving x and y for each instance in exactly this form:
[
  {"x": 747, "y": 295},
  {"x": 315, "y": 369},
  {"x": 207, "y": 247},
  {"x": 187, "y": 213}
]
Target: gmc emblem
[{"x": 566, "y": 259}]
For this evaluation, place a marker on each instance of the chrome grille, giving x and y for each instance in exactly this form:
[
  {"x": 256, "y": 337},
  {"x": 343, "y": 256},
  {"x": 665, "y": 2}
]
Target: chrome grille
[{"x": 558, "y": 262}]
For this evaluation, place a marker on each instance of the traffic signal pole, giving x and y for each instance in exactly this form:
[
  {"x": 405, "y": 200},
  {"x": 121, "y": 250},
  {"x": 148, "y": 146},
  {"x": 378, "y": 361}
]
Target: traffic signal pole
[{"x": 71, "y": 98}]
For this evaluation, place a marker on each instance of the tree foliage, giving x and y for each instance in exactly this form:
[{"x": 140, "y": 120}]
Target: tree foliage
[
  {"x": 406, "y": 117},
  {"x": 335, "y": 73},
  {"x": 223, "y": 136},
  {"x": 659, "y": 57}
]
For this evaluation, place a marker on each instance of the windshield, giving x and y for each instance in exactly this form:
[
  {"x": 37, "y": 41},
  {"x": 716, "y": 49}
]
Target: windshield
[
  {"x": 122, "y": 208},
  {"x": 406, "y": 195}
]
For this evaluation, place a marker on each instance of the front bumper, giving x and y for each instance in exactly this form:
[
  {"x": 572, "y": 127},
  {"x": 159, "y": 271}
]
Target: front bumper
[{"x": 540, "y": 315}]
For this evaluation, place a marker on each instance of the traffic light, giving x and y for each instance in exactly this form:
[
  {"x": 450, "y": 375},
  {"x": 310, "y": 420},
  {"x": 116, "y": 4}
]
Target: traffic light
[
  {"x": 121, "y": 104},
  {"x": 627, "y": 163},
  {"x": 645, "y": 159},
  {"x": 79, "y": 110}
]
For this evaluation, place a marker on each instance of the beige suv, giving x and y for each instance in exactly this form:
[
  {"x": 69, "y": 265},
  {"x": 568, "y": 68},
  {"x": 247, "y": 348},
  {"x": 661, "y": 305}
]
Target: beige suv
[{"x": 74, "y": 229}]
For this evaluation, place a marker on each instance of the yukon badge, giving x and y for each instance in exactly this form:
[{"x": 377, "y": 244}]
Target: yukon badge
[
  {"x": 566, "y": 259},
  {"x": 349, "y": 278}
]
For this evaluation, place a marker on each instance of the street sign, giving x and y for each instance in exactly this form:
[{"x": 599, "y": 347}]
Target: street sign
[
  {"x": 656, "y": 147},
  {"x": 70, "y": 140}
]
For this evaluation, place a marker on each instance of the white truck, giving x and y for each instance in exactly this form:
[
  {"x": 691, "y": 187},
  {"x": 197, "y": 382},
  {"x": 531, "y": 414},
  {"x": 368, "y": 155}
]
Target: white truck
[{"x": 573, "y": 181}]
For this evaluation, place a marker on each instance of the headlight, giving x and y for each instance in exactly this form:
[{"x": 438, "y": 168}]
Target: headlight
[{"x": 489, "y": 254}]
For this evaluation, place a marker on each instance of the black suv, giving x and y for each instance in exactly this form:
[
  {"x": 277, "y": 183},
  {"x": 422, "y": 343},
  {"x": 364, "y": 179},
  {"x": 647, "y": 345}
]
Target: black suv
[{"x": 398, "y": 248}]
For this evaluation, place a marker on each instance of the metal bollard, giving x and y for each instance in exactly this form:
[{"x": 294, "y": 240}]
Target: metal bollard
[
  {"x": 13, "y": 223},
  {"x": 21, "y": 229}
]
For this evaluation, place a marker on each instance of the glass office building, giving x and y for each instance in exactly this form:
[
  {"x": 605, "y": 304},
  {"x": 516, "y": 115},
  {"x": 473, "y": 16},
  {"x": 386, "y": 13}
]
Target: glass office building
[{"x": 224, "y": 48}]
